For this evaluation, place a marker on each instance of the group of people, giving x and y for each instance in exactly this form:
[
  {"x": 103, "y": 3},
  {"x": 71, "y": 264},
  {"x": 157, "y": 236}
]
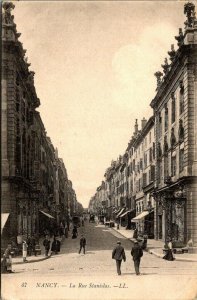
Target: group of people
[
  {"x": 118, "y": 254},
  {"x": 55, "y": 247}
]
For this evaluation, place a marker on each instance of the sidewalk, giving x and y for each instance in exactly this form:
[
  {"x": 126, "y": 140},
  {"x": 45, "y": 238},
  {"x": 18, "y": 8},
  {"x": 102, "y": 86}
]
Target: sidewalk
[
  {"x": 31, "y": 259},
  {"x": 155, "y": 247}
]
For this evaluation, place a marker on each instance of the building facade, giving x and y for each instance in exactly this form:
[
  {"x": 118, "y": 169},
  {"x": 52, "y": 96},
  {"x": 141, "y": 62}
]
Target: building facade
[
  {"x": 157, "y": 175},
  {"x": 35, "y": 185},
  {"x": 175, "y": 122}
]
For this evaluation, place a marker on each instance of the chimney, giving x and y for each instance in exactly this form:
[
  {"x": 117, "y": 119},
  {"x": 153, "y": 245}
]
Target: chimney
[
  {"x": 143, "y": 123},
  {"x": 136, "y": 127}
]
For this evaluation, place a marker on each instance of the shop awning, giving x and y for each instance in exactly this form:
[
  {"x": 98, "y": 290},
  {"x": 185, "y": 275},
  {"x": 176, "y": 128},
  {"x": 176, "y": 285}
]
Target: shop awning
[
  {"x": 46, "y": 214},
  {"x": 121, "y": 211},
  {"x": 126, "y": 212},
  {"x": 140, "y": 216},
  {"x": 4, "y": 218}
]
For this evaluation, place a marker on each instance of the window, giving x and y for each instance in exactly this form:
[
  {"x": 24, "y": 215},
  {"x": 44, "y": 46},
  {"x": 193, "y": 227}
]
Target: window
[
  {"x": 145, "y": 160},
  {"x": 154, "y": 150},
  {"x": 144, "y": 179},
  {"x": 181, "y": 98},
  {"x": 181, "y": 160},
  {"x": 160, "y": 124},
  {"x": 173, "y": 108},
  {"x": 145, "y": 141},
  {"x": 166, "y": 118},
  {"x": 150, "y": 137},
  {"x": 152, "y": 175},
  {"x": 160, "y": 171},
  {"x": 150, "y": 155},
  {"x": 166, "y": 171},
  {"x": 173, "y": 165},
  {"x": 141, "y": 164}
]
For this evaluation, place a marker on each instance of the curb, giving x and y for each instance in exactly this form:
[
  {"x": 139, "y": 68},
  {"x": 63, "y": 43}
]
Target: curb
[{"x": 30, "y": 261}]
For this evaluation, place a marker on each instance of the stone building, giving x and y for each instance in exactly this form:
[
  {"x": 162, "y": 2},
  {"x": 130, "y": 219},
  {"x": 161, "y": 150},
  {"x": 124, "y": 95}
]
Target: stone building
[
  {"x": 161, "y": 163},
  {"x": 34, "y": 179},
  {"x": 144, "y": 176},
  {"x": 175, "y": 110}
]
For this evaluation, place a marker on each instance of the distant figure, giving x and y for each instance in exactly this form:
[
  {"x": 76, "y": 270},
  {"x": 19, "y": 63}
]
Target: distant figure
[
  {"x": 135, "y": 233},
  {"x": 82, "y": 244},
  {"x": 137, "y": 253},
  {"x": 25, "y": 251},
  {"x": 118, "y": 254},
  {"x": 31, "y": 244},
  {"x": 55, "y": 246},
  {"x": 66, "y": 230},
  {"x": 169, "y": 254},
  {"x": 61, "y": 229},
  {"x": 6, "y": 264},
  {"x": 74, "y": 233},
  {"x": 46, "y": 244},
  {"x": 82, "y": 222}
]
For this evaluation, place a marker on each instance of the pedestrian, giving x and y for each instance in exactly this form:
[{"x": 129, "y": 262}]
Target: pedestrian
[
  {"x": 25, "y": 247},
  {"x": 74, "y": 232},
  {"x": 55, "y": 246},
  {"x": 66, "y": 230},
  {"x": 82, "y": 244},
  {"x": 82, "y": 222},
  {"x": 135, "y": 233},
  {"x": 169, "y": 255},
  {"x": 6, "y": 264},
  {"x": 29, "y": 246},
  {"x": 46, "y": 244},
  {"x": 33, "y": 244},
  {"x": 118, "y": 254},
  {"x": 137, "y": 253},
  {"x": 61, "y": 229}
]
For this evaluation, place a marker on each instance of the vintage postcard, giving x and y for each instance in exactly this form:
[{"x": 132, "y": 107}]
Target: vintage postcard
[{"x": 99, "y": 150}]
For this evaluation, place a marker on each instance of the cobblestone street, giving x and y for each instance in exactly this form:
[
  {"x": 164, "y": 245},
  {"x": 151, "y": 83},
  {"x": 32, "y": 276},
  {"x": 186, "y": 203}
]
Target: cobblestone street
[{"x": 97, "y": 268}]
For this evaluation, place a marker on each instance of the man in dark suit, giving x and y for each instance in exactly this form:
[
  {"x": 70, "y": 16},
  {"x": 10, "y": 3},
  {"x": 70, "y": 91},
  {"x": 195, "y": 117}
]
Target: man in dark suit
[
  {"x": 118, "y": 254},
  {"x": 137, "y": 253},
  {"x": 82, "y": 244}
]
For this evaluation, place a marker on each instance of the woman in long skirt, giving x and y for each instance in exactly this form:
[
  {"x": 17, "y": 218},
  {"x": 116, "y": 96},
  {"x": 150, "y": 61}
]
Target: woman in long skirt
[
  {"x": 7, "y": 260},
  {"x": 169, "y": 254}
]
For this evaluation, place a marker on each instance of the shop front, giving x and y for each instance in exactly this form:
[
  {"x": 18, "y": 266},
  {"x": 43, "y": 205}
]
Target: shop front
[
  {"x": 171, "y": 215},
  {"x": 145, "y": 223}
]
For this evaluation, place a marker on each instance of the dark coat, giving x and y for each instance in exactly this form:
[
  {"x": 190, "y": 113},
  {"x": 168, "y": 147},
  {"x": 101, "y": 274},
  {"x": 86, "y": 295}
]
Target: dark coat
[
  {"x": 136, "y": 252},
  {"x": 46, "y": 244},
  {"x": 55, "y": 246},
  {"x": 169, "y": 255},
  {"x": 118, "y": 253},
  {"x": 135, "y": 234},
  {"x": 82, "y": 241},
  {"x": 75, "y": 233}
]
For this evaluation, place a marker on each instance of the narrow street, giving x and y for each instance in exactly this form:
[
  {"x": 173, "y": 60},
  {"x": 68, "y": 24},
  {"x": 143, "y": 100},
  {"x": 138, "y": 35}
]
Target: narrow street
[{"x": 75, "y": 273}]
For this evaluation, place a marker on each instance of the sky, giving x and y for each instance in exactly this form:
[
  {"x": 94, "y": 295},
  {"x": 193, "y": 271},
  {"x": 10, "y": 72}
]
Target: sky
[{"x": 94, "y": 65}]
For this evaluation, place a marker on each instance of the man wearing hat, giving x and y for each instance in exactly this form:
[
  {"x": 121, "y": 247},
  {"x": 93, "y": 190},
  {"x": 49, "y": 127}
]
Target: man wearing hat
[
  {"x": 137, "y": 253},
  {"x": 118, "y": 254}
]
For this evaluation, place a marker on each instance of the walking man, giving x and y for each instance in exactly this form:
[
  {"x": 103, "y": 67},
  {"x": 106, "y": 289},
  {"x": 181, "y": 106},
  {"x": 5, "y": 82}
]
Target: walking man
[
  {"x": 82, "y": 244},
  {"x": 118, "y": 254},
  {"x": 137, "y": 253}
]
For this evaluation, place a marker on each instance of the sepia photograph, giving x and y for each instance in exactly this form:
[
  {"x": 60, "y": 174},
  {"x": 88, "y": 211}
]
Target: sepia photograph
[{"x": 98, "y": 150}]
